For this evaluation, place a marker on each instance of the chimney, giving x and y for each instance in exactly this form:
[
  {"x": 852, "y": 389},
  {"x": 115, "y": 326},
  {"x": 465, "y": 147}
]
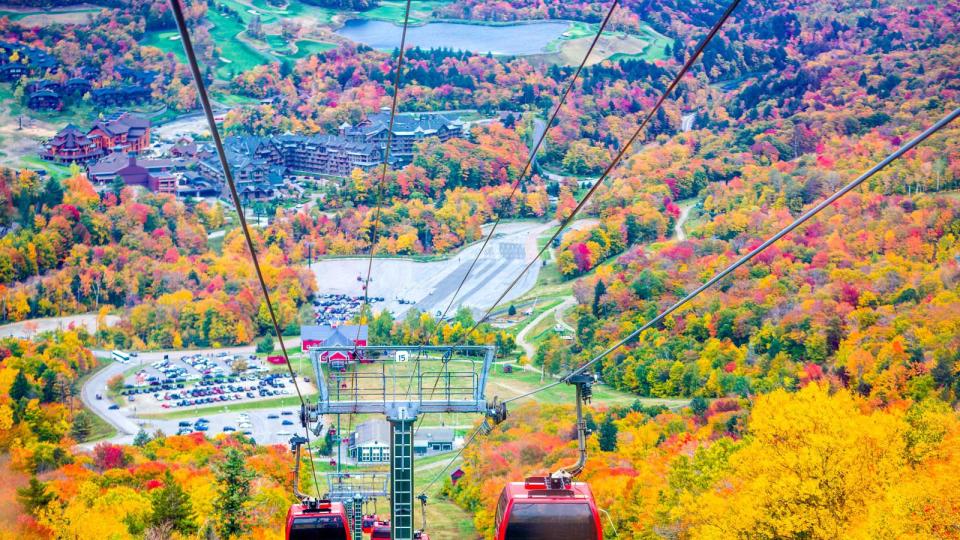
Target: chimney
[{"x": 131, "y": 158}]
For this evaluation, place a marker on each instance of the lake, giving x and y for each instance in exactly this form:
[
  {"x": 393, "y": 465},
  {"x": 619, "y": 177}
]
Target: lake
[{"x": 514, "y": 39}]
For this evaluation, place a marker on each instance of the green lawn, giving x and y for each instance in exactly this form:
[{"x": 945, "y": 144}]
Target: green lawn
[
  {"x": 168, "y": 42},
  {"x": 53, "y": 169},
  {"x": 541, "y": 306},
  {"x": 580, "y": 29},
  {"x": 307, "y": 47},
  {"x": 421, "y": 11},
  {"x": 654, "y": 50},
  {"x": 444, "y": 519},
  {"x": 521, "y": 381},
  {"x": 17, "y": 15}
]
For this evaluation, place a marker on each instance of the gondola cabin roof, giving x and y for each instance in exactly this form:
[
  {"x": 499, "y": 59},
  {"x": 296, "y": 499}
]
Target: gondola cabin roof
[
  {"x": 320, "y": 520},
  {"x": 533, "y": 489}
]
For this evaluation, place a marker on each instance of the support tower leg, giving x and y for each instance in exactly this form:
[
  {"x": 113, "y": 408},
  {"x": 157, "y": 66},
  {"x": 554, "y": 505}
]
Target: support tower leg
[
  {"x": 357, "y": 517},
  {"x": 401, "y": 478}
]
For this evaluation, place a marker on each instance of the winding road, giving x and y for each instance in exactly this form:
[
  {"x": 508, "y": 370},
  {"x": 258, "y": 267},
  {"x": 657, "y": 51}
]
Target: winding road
[
  {"x": 527, "y": 346},
  {"x": 685, "y": 208},
  {"x": 679, "y": 235}
]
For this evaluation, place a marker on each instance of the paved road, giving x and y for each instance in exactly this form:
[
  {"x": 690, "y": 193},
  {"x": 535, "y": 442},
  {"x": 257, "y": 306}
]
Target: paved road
[
  {"x": 528, "y": 347},
  {"x": 539, "y": 126}
]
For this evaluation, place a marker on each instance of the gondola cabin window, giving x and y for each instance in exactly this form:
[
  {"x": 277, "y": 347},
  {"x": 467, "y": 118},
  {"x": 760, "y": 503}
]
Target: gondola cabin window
[{"x": 318, "y": 528}]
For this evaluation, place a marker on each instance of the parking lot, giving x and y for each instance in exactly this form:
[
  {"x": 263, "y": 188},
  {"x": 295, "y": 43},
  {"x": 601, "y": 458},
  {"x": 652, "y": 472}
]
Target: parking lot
[
  {"x": 198, "y": 380},
  {"x": 336, "y": 309}
]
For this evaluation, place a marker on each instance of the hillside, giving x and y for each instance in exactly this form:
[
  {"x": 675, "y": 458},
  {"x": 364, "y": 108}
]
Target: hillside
[{"x": 813, "y": 393}]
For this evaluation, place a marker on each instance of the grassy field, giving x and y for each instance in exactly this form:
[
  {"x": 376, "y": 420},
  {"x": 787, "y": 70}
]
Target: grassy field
[
  {"x": 168, "y": 42},
  {"x": 421, "y": 11},
  {"x": 46, "y": 18},
  {"x": 306, "y": 47},
  {"x": 647, "y": 44},
  {"x": 53, "y": 169},
  {"x": 540, "y": 307},
  {"x": 236, "y": 53},
  {"x": 655, "y": 48}
]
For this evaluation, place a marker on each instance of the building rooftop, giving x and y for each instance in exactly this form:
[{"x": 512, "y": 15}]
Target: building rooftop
[
  {"x": 123, "y": 123},
  {"x": 371, "y": 433},
  {"x": 333, "y": 336},
  {"x": 436, "y": 435},
  {"x": 113, "y": 163},
  {"x": 406, "y": 123}
]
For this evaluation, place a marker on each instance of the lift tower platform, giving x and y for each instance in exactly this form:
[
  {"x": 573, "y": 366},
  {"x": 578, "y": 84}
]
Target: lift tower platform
[{"x": 400, "y": 382}]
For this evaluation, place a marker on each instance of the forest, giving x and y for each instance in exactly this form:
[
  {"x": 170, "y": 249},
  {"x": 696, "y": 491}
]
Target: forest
[{"x": 822, "y": 380}]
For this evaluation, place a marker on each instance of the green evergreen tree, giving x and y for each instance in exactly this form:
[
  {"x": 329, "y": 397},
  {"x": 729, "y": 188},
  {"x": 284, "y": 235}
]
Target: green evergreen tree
[
  {"x": 591, "y": 423},
  {"x": 679, "y": 50},
  {"x": 699, "y": 405},
  {"x": 598, "y": 291},
  {"x": 608, "y": 435},
  {"x": 52, "y": 193},
  {"x": 34, "y": 496},
  {"x": 171, "y": 506},
  {"x": 233, "y": 481},
  {"x": 48, "y": 391},
  {"x": 82, "y": 426},
  {"x": 265, "y": 345},
  {"x": 117, "y": 186},
  {"x": 141, "y": 439},
  {"x": 21, "y": 387}
]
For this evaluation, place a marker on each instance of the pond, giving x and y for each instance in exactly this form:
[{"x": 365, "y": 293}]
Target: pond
[{"x": 514, "y": 39}]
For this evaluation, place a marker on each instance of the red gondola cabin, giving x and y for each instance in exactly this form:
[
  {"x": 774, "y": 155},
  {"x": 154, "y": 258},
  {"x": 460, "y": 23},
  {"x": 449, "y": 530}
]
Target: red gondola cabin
[
  {"x": 544, "y": 508},
  {"x": 367, "y": 523},
  {"x": 319, "y": 520}
]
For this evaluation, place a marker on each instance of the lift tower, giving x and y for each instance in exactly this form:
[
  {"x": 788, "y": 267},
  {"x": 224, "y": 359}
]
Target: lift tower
[{"x": 400, "y": 382}]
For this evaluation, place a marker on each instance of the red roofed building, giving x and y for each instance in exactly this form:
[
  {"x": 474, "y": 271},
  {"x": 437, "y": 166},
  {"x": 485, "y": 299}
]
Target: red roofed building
[
  {"x": 137, "y": 175},
  {"x": 70, "y": 145},
  {"x": 333, "y": 336},
  {"x": 126, "y": 133}
]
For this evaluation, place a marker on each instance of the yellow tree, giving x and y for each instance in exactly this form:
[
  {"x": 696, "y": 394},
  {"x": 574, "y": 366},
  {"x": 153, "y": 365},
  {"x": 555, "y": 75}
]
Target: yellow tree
[{"x": 813, "y": 464}]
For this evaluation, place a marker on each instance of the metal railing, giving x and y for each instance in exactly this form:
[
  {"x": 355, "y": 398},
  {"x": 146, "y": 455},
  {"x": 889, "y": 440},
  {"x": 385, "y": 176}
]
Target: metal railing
[{"x": 424, "y": 379}]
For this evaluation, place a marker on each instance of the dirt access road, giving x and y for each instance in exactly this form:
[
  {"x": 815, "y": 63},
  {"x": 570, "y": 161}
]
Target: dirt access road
[
  {"x": 32, "y": 327},
  {"x": 679, "y": 235},
  {"x": 522, "y": 340}
]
